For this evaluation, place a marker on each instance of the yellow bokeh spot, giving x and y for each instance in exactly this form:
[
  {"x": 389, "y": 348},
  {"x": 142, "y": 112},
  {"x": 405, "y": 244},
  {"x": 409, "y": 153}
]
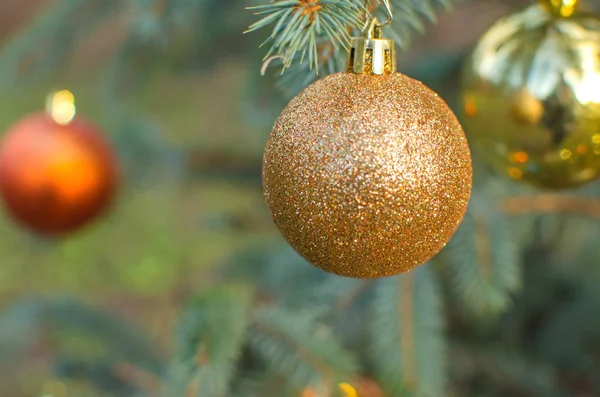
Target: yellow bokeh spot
[
  {"x": 564, "y": 8},
  {"x": 596, "y": 139},
  {"x": 61, "y": 107},
  {"x": 597, "y": 150},
  {"x": 568, "y": 7},
  {"x": 565, "y": 154},
  {"x": 519, "y": 157},
  {"x": 348, "y": 390},
  {"x": 515, "y": 173}
]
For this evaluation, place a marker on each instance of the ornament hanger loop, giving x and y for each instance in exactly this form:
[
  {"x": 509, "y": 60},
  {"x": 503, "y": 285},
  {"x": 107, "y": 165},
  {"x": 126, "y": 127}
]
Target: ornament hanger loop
[
  {"x": 388, "y": 9},
  {"x": 371, "y": 53}
]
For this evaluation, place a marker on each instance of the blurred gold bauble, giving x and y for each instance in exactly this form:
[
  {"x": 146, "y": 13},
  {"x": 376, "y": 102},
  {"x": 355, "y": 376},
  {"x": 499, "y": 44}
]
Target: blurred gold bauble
[
  {"x": 367, "y": 175},
  {"x": 531, "y": 95}
]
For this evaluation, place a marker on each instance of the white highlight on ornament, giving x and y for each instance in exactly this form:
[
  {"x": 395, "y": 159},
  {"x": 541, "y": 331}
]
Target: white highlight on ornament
[{"x": 61, "y": 107}]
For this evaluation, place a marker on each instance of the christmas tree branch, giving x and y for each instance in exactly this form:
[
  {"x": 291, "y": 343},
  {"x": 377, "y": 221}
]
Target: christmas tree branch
[
  {"x": 211, "y": 336},
  {"x": 141, "y": 379},
  {"x": 321, "y": 29},
  {"x": 19, "y": 329},
  {"x": 42, "y": 46},
  {"x": 120, "y": 355},
  {"x": 295, "y": 345},
  {"x": 261, "y": 382},
  {"x": 553, "y": 204},
  {"x": 121, "y": 342},
  {"x": 484, "y": 260},
  {"x": 504, "y": 367},
  {"x": 346, "y": 300},
  {"x": 300, "y": 24},
  {"x": 408, "y": 346}
]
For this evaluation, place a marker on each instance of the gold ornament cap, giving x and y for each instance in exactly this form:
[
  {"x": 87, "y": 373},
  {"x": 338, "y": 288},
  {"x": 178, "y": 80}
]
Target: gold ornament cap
[
  {"x": 560, "y": 8},
  {"x": 371, "y": 53},
  {"x": 60, "y": 106}
]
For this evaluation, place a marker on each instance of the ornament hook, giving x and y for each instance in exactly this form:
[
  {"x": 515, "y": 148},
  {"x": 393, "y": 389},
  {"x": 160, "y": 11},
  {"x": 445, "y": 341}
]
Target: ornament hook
[
  {"x": 388, "y": 9},
  {"x": 371, "y": 53}
]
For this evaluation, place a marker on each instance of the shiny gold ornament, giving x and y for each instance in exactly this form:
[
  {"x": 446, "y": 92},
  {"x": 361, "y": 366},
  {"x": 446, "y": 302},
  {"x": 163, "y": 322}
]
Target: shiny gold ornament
[
  {"x": 367, "y": 173},
  {"x": 563, "y": 8},
  {"x": 532, "y": 95}
]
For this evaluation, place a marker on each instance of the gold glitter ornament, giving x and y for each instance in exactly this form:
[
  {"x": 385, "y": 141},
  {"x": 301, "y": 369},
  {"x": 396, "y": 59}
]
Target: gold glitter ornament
[
  {"x": 531, "y": 95},
  {"x": 367, "y": 173}
]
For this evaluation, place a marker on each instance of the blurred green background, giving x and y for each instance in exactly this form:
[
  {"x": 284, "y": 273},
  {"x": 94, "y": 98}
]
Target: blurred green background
[{"x": 182, "y": 100}]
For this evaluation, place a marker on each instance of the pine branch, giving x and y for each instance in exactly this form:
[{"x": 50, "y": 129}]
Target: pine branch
[
  {"x": 264, "y": 383},
  {"x": 210, "y": 339},
  {"x": 280, "y": 275},
  {"x": 575, "y": 324},
  {"x": 19, "y": 329},
  {"x": 553, "y": 204},
  {"x": 346, "y": 306},
  {"x": 142, "y": 149},
  {"x": 291, "y": 40},
  {"x": 110, "y": 338},
  {"x": 338, "y": 293},
  {"x": 50, "y": 37},
  {"x": 104, "y": 377},
  {"x": 503, "y": 368},
  {"x": 484, "y": 260},
  {"x": 301, "y": 24},
  {"x": 408, "y": 347},
  {"x": 330, "y": 59},
  {"x": 295, "y": 345},
  {"x": 88, "y": 345}
]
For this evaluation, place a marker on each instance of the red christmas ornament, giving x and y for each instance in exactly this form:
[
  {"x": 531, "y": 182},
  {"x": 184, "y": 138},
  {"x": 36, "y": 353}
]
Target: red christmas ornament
[{"x": 57, "y": 173}]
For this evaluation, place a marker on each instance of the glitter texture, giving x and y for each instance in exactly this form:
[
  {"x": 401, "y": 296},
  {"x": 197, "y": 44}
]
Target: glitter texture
[{"x": 367, "y": 176}]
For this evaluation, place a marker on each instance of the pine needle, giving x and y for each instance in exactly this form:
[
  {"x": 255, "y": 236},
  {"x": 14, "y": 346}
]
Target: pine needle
[{"x": 299, "y": 24}]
